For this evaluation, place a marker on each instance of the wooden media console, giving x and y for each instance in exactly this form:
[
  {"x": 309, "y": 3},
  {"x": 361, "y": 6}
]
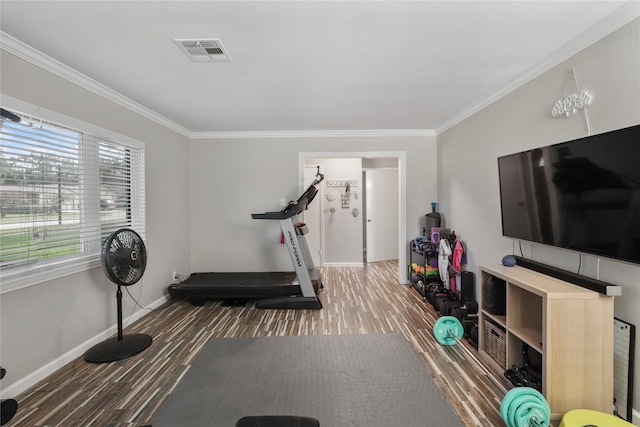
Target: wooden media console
[{"x": 568, "y": 329}]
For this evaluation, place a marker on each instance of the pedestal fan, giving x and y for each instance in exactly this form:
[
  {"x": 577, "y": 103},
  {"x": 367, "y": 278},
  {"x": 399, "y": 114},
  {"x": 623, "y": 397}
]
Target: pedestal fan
[
  {"x": 8, "y": 407},
  {"x": 124, "y": 258}
]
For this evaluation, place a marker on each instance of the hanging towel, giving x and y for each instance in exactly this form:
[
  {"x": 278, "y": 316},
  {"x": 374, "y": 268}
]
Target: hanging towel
[
  {"x": 456, "y": 262},
  {"x": 443, "y": 262}
]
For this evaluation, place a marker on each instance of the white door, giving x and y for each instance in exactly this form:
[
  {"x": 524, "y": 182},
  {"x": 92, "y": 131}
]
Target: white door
[
  {"x": 312, "y": 217},
  {"x": 381, "y": 214}
]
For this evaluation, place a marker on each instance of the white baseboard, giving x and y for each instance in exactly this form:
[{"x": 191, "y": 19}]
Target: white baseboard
[
  {"x": 33, "y": 378},
  {"x": 635, "y": 417},
  {"x": 343, "y": 264}
]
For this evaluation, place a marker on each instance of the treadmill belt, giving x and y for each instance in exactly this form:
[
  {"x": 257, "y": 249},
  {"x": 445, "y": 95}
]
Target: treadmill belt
[
  {"x": 282, "y": 278},
  {"x": 252, "y": 285}
]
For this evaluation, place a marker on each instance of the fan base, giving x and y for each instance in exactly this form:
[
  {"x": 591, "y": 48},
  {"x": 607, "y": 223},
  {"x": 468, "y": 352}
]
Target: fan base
[{"x": 114, "y": 349}]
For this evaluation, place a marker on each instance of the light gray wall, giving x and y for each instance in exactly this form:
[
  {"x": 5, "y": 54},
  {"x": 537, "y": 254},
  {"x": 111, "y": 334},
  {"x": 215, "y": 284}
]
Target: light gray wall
[
  {"x": 230, "y": 179},
  {"x": 343, "y": 237},
  {"x": 467, "y": 157},
  {"x": 41, "y": 323}
]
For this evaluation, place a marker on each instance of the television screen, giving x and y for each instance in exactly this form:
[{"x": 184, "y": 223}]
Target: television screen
[{"x": 582, "y": 194}]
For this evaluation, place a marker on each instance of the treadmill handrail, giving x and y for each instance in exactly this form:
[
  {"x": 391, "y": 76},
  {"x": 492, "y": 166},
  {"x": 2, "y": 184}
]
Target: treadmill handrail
[
  {"x": 274, "y": 215},
  {"x": 294, "y": 208}
]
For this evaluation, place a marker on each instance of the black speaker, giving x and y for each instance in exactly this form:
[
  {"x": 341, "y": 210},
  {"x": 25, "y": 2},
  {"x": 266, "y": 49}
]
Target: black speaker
[
  {"x": 577, "y": 279},
  {"x": 494, "y": 296},
  {"x": 467, "y": 286}
]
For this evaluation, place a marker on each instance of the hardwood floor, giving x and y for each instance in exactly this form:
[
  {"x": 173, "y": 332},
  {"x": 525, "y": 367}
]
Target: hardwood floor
[{"x": 365, "y": 300}]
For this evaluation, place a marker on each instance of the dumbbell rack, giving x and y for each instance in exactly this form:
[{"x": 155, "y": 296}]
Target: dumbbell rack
[{"x": 421, "y": 258}]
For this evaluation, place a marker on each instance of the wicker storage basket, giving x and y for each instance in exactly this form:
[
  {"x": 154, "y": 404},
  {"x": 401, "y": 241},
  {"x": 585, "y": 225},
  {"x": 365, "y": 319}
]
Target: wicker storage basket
[{"x": 495, "y": 343}]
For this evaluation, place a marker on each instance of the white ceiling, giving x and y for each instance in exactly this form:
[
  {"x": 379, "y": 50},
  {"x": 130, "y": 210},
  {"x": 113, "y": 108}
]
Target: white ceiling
[{"x": 312, "y": 65}]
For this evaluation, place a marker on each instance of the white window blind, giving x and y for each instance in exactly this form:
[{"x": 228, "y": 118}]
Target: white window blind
[{"x": 62, "y": 192}]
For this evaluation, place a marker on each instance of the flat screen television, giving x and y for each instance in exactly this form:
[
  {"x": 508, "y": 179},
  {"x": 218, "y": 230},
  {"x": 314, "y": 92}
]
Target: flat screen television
[{"x": 582, "y": 195}]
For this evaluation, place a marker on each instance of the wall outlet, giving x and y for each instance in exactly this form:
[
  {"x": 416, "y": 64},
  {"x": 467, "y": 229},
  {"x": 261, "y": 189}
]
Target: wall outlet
[{"x": 174, "y": 277}]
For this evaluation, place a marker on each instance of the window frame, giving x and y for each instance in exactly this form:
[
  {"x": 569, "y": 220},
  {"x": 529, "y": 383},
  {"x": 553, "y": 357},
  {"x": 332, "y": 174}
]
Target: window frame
[{"x": 58, "y": 269}]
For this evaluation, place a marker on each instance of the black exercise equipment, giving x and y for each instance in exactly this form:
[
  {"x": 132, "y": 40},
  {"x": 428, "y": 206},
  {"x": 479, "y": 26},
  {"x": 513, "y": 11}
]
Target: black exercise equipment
[
  {"x": 277, "y": 421},
  {"x": 527, "y": 375},
  {"x": 295, "y": 290}
]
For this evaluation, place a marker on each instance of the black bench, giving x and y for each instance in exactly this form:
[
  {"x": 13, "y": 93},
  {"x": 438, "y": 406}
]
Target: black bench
[{"x": 277, "y": 421}]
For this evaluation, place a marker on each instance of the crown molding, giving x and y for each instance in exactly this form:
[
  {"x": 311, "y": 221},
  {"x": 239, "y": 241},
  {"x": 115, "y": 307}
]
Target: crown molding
[
  {"x": 314, "y": 134},
  {"x": 616, "y": 20},
  {"x": 16, "y": 47},
  {"x": 622, "y": 16}
]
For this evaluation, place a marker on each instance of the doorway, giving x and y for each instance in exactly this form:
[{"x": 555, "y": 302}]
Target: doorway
[
  {"x": 321, "y": 205},
  {"x": 380, "y": 214}
]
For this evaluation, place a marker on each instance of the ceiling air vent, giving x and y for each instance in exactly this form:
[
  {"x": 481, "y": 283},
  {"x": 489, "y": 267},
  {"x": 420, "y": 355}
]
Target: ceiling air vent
[{"x": 204, "y": 50}]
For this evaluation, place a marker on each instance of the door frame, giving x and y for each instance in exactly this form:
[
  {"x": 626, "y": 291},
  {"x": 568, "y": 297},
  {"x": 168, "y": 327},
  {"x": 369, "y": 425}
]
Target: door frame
[{"x": 401, "y": 156}]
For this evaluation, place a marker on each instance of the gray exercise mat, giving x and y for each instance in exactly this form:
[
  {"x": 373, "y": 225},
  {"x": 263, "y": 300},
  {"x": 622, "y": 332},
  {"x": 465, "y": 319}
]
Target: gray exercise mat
[{"x": 342, "y": 380}]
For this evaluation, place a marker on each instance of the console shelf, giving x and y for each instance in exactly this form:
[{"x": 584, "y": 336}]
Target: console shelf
[{"x": 569, "y": 330}]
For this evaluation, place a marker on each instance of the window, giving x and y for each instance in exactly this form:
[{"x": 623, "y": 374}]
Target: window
[{"x": 62, "y": 191}]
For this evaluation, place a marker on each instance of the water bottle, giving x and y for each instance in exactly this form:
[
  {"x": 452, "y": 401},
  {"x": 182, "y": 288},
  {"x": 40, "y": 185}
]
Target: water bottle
[{"x": 432, "y": 219}]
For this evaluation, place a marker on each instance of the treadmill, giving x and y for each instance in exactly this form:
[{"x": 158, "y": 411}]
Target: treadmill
[{"x": 296, "y": 289}]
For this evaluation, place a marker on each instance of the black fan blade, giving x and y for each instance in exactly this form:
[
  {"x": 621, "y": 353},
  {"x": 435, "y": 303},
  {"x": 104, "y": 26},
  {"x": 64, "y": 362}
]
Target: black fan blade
[{"x": 124, "y": 257}]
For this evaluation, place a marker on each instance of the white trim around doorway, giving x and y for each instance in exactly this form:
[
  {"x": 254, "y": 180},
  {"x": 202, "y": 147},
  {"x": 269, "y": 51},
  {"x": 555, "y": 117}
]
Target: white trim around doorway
[{"x": 402, "y": 205}]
